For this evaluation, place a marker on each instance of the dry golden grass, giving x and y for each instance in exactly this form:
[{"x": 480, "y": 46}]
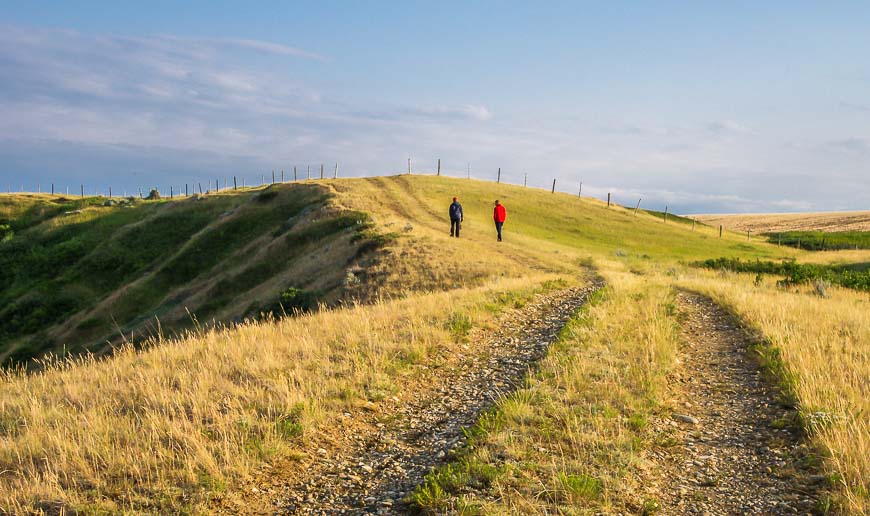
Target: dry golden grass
[
  {"x": 164, "y": 429},
  {"x": 573, "y": 440},
  {"x": 777, "y": 222},
  {"x": 825, "y": 345}
]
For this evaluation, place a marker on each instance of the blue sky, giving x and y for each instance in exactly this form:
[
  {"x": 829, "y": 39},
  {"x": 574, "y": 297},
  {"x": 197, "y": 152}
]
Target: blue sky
[{"x": 701, "y": 106}]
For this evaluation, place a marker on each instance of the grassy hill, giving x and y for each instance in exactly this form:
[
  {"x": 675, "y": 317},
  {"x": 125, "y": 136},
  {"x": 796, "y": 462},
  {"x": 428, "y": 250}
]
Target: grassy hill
[
  {"x": 77, "y": 275},
  {"x": 182, "y": 423}
]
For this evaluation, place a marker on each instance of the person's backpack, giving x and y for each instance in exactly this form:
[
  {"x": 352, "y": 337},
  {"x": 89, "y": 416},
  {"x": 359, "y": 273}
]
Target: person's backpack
[{"x": 456, "y": 211}]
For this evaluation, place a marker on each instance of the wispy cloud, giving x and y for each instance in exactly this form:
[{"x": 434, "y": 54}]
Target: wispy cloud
[{"x": 84, "y": 103}]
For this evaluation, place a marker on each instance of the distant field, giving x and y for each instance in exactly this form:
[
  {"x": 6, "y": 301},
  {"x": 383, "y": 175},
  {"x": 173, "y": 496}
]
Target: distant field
[{"x": 781, "y": 222}]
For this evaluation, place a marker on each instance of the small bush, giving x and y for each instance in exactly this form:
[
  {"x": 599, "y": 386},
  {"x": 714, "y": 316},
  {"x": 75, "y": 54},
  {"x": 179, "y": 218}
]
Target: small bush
[
  {"x": 5, "y": 232},
  {"x": 459, "y": 325},
  {"x": 296, "y": 299},
  {"x": 580, "y": 486}
]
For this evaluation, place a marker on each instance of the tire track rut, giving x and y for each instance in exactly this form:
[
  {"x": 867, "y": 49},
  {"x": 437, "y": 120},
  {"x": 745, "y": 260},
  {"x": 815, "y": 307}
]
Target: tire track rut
[
  {"x": 737, "y": 449},
  {"x": 379, "y": 464}
]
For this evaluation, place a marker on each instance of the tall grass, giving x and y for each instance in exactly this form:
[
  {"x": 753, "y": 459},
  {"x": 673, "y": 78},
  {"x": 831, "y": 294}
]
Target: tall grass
[
  {"x": 573, "y": 439},
  {"x": 168, "y": 428}
]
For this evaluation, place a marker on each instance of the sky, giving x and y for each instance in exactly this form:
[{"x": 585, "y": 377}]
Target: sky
[{"x": 703, "y": 107}]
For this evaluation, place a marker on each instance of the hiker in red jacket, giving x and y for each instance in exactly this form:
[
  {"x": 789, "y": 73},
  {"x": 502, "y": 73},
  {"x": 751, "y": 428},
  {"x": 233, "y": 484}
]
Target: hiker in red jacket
[{"x": 498, "y": 215}]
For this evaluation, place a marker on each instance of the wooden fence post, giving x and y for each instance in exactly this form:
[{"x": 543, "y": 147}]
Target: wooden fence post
[
  {"x": 498, "y": 179},
  {"x": 720, "y": 230},
  {"x": 335, "y": 173},
  {"x": 52, "y": 188},
  {"x": 273, "y": 176},
  {"x": 525, "y": 179},
  {"x": 235, "y": 183},
  {"x": 666, "y": 214},
  {"x": 294, "y": 172},
  {"x": 309, "y": 171},
  {"x": 747, "y": 235},
  {"x": 608, "y": 199},
  {"x": 185, "y": 189},
  {"x": 439, "y": 166},
  {"x": 638, "y": 206},
  {"x": 409, "y": 165},
  {"x": 217, "y": 185},
  {"x": 282, "y": 175},
  {"x": 553, "y": 190},
  {"x": 110, "y": 192},
  {"x": 200, "y": 188},
  {"x": 83, "y": 191},
  {"x": 321, "y": 171},
  {"x": 171, "y": 192}
]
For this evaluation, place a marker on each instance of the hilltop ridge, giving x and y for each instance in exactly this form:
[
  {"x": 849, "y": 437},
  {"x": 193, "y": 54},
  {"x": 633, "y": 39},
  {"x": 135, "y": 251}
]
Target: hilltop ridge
[{"x": 78, "y": 275}]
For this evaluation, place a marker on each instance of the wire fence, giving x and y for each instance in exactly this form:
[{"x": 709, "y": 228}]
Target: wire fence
[{"x": 309, "y": 172}]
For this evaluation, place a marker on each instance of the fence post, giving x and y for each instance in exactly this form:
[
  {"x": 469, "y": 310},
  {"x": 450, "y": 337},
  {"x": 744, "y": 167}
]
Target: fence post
[
  {"x": 321, "y": 171},
  {"x": 294, "y": 172},
  {"x": 409, "y": 165},
  {"x": 498, "y": 180},
  {"x": 200, "y": 188},
  {"x": 439, "y": 166},
  {"x": 185, "y": 189},
  {"x": 666, "y": 214},
  {"x": 581, "y": 189},
  {"x": 309, "y": 171},
  {"x": 171, "y": 192},
  {"x": 525, "y": 179},
  {"x": 553, "y": 190},
  {"x": 235, "y": 183},
  {"x": 52, "y": 188},
  {"x": 217, "y": 185},
  {"x": 747, "y": 235},
  {"x": 720, "y": 230},
  {"x": 140, "y": 192},
  {"x": 638, "y": 206},
  {"x": 110, "y": 192},
  {"x": 83, "y": 191},
  {"x": 335, "y": 174},
  {"x": 608, "y": 199},
  {"x": 282, "y": 175}
]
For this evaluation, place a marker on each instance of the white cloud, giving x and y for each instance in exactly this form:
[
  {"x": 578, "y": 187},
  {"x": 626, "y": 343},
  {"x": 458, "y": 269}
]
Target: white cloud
[{"x": 204, "y": 101}]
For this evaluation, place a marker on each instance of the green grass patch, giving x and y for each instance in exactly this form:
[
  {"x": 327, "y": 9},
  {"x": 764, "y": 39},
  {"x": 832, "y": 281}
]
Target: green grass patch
[
  {"x": 821, "y": 240},
  {"x": 854, "y": 276}
]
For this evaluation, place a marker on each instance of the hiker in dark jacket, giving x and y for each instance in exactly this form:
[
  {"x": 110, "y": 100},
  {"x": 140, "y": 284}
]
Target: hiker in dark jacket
[
  {"x": 456, "y": 218},
  {"x": 498, "y": 215}
]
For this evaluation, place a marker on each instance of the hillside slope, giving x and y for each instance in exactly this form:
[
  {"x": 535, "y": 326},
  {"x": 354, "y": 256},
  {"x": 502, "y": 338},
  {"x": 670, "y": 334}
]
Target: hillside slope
[
  {"x": 76, "y": 274},
  {"x": 780, "y": 222}
]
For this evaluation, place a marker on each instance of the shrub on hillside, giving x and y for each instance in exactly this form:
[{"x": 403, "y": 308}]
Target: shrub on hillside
[{"x": 5, "y": 232}]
